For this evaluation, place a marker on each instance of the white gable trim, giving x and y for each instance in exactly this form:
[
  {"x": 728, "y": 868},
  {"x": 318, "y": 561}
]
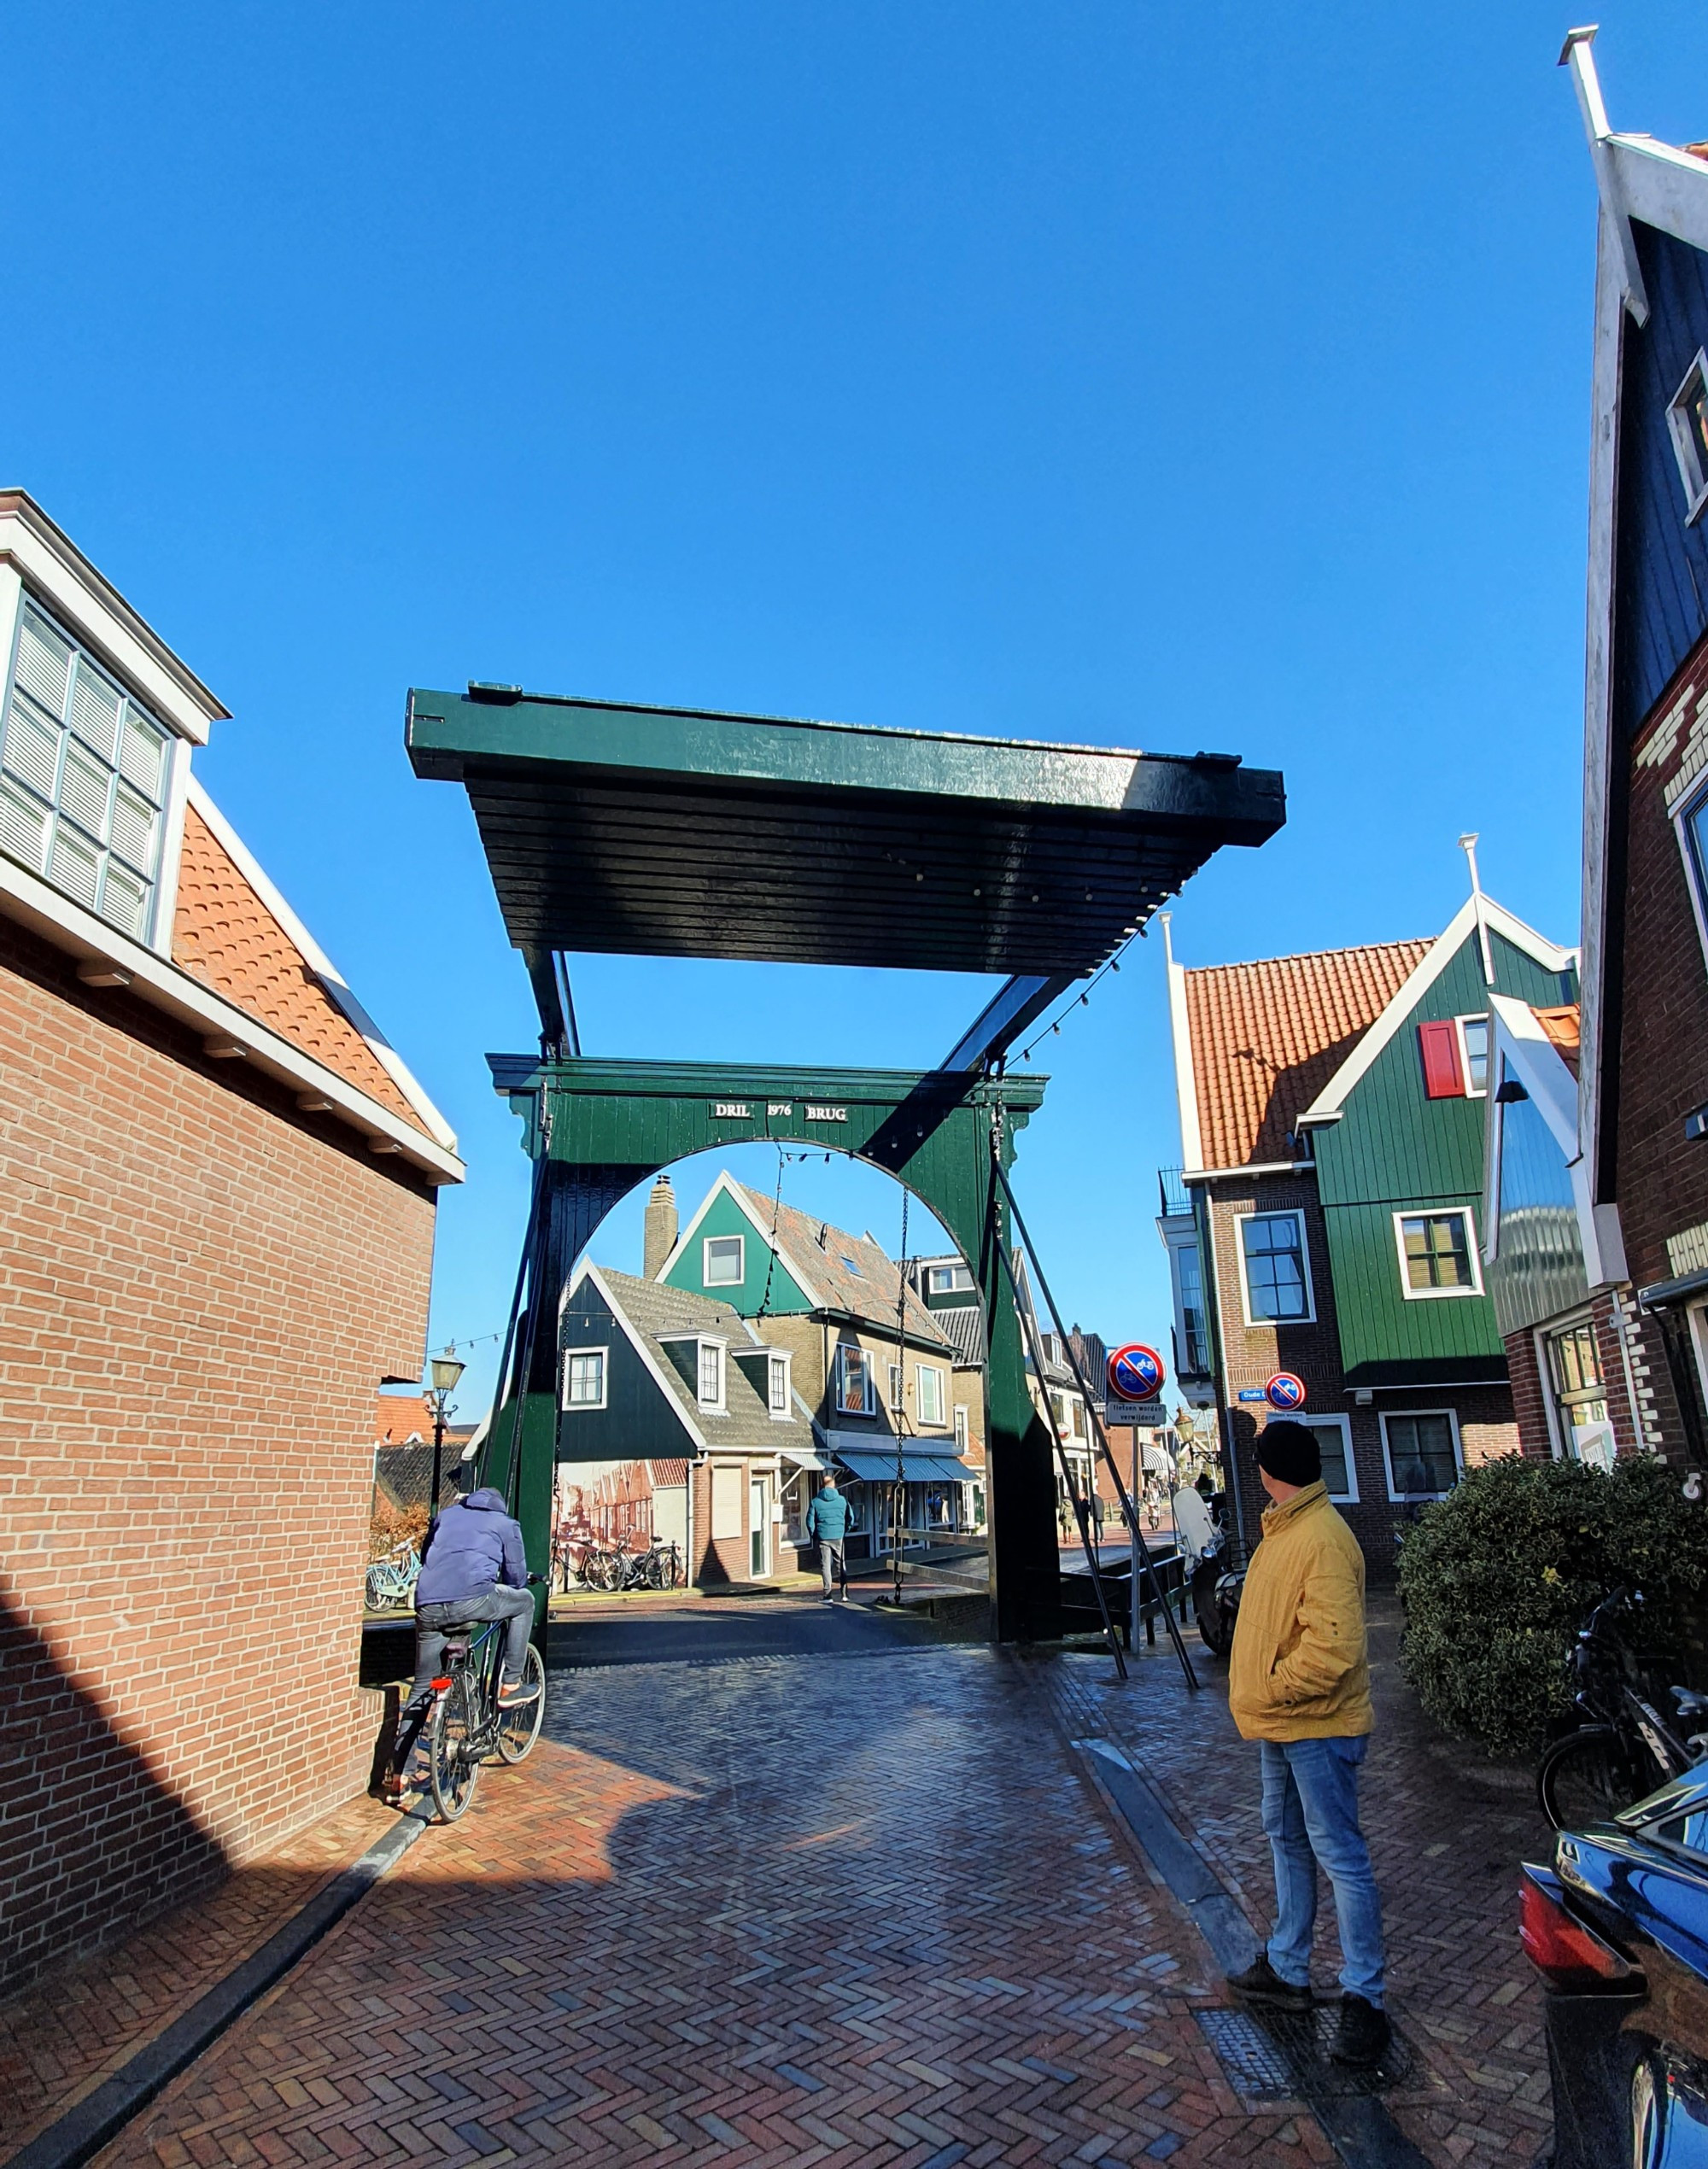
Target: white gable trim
[
  {"x": 1185, "y": 1071},
  {"x": 587, "y": 1270},
  {"x": 726, "y": 1186},
  {"x": 1329, "y": 1102},
  {"x": 1519, "y": 1041},
  {"x": 332, "y": 980},
  {"x": 1539, "y": 1066},
  {"x": 1636, "y": 177}
]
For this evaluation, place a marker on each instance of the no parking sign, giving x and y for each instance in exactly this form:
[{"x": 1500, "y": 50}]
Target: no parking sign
[
  {"x": 1136, "y": 1372},
  {"x": 1285, "y": 1391}
]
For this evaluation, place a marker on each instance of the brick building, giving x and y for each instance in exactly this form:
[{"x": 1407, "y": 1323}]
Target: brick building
[
  {"x": 1642, "y": 1102},
  {"x": 217, "y": 1189},
  {"x": 1326, "y": 1221}
]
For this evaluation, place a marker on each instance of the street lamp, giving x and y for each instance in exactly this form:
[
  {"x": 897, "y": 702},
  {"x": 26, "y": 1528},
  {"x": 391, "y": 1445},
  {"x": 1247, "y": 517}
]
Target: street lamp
[{"x": 444, "y": 1371}]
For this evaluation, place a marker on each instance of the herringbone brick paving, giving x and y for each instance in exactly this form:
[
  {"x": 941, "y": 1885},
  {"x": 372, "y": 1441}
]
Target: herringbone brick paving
[
  {"x": 781, "y": 1911},
  {"x": 72, "y": 2026},
  {"x": 1447, "y": 1830}
]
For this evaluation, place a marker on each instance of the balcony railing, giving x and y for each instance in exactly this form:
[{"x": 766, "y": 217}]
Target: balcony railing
[{"x": 1176, "y": 1198}]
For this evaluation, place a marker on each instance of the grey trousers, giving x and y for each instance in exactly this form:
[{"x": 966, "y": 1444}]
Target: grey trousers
[
  {"x": 514, "y": 1605},
  {"x": 831, "y": 1562}
]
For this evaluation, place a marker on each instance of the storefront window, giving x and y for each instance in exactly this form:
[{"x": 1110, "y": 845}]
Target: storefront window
[
  {"x": 1580, "y": 1394},
  {"x": 797, "y": 1496}
]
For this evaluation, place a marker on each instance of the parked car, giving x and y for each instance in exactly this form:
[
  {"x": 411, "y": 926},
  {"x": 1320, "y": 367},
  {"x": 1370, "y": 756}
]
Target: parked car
[{"x": 1619, "y": 1928}]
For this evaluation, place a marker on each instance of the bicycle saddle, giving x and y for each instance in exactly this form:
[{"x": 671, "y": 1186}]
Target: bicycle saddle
[{"x": 457, "y": 1642}]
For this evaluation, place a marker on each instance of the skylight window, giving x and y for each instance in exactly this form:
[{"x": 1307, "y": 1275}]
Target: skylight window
[
  {"x": 1688, "y": 419},
  {"x": 854, "y": 1269}
]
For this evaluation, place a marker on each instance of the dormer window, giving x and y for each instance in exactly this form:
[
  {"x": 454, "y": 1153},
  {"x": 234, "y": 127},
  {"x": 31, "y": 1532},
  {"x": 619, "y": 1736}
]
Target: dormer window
[
  {"x": 710, "y": 1375},
  {"x": 777, "y": 1385},
  {"x": 86, "y": 773},
  {"x": 1688, "y": 419}
]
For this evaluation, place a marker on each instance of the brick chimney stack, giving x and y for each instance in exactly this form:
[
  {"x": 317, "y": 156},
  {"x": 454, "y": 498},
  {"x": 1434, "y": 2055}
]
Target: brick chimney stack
[{"x": 659, "y": 1236}]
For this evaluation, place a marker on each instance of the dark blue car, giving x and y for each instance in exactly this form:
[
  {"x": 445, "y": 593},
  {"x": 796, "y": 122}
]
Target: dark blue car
[{"x": 1619, "y": 1928}]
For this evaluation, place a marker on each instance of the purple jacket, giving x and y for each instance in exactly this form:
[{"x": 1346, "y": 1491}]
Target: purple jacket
[{"x": 470, "y": 1548}]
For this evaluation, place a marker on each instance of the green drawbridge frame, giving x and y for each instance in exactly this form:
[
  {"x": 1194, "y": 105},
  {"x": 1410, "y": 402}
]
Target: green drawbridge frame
[{"x": 666, "y": 832}]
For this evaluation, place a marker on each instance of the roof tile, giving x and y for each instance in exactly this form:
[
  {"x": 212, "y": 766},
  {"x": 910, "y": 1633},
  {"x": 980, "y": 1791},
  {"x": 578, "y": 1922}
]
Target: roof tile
[
  {"x": 1267, "y": 1037},
  {"x": 225, "y": 935}
]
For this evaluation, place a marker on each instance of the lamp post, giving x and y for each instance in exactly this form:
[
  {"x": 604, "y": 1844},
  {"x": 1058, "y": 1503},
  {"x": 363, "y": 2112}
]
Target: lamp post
[{"x": 444, "y": 1371}]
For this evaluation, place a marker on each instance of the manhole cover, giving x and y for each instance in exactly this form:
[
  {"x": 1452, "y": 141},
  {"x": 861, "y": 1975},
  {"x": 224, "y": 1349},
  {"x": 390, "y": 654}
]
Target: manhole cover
[{"x": 1284, "y": 2054}]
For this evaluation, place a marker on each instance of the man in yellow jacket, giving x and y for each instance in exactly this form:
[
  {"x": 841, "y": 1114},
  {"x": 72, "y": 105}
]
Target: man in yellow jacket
[{"x": 1299, "y": 1685}]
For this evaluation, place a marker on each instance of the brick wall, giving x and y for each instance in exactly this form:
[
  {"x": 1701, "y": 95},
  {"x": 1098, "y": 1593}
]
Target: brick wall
[
  {"x": 1532, "y": 1391},
  {"x": 200, "y": 1290},
  {"x": 1251, "y": 1354},
  {"x": 1662, "y": 1176}
]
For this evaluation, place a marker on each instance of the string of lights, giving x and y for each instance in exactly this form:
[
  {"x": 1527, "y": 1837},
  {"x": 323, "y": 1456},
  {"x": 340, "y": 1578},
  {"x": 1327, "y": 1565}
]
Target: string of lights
[{"x": 1080, "y": 1000}]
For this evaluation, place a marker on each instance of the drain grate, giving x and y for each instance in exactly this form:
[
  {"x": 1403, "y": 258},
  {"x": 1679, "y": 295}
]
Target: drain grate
[{"x": 1284, "y": 2055}]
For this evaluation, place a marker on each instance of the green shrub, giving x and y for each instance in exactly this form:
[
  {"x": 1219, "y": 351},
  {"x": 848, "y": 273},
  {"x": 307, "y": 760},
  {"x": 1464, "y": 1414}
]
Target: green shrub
[{"x": 1497, "y": 1577}]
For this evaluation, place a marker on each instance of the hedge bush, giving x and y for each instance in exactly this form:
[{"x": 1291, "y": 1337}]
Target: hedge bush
[{"x": 1497, "y": 1577}]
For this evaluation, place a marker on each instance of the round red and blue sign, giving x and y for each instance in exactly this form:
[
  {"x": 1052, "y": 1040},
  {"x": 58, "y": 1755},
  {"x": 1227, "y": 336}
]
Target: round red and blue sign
[
  {"x": 1136, "y": 1372},
  {"x": 1285, "y": 1391}
]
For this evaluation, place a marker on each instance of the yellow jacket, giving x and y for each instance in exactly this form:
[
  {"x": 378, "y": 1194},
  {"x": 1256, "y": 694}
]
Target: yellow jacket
[{"x": 1300, "y": 1669}]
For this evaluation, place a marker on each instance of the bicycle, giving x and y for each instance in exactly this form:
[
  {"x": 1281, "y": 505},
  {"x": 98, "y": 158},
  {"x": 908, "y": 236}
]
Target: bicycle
[
  {"x": 1621, "y": 1748},
  {"x": 390, "y": 1585},
  {"x": 467, "y": 1726}
]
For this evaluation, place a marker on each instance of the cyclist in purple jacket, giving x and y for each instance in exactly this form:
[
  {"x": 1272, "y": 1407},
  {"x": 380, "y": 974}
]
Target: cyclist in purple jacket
[{"x": 473, "y": 1569}]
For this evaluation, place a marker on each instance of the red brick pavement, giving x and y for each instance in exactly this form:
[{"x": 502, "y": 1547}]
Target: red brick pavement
[
  {"x": 75, "y": 2025},
  {"x": 1447, "y": 1829},
  {"x": 777, "y": 1910}
]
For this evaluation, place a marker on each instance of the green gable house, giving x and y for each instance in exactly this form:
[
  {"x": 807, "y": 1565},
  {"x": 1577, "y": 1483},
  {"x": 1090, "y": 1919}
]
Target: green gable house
[
  {"x": 1326, "y": 1221},
  {"x": 651, "y": 1374},
  {"x": 878, "y": 1369}
]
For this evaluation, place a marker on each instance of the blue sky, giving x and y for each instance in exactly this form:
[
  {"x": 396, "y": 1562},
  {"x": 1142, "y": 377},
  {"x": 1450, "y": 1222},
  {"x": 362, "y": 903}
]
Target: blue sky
[{"x": 1169, "y": 376}]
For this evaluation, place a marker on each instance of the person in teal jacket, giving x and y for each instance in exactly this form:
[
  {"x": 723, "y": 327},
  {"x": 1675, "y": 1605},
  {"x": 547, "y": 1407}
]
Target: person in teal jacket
[{"x": 827, "y": 1521}]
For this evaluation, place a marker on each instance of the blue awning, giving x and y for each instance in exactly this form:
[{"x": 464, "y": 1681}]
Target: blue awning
[{"x": 916, "y": 1468}]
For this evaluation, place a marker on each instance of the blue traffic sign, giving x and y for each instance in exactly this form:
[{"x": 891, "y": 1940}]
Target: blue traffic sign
[
  {"x": 1285, "y": 1391},
  {"x": 1136, "y": 1372}
]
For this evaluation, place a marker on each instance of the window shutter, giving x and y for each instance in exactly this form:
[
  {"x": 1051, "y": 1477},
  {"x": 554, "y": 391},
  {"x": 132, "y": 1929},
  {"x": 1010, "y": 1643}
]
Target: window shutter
[{"x": 1443, "y": 1077}]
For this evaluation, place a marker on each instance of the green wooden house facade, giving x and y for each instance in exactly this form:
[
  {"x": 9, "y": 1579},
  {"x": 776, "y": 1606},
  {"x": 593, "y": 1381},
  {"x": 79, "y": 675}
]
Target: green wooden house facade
[{"x": 1326, "y": 1220}]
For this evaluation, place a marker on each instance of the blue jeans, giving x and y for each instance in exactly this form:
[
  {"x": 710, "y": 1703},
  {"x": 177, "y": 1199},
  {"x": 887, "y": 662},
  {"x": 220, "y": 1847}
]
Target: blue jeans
[{"x": 1310, "y": 1816}]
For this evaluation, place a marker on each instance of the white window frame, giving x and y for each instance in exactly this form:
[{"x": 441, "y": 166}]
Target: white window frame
[
  {"x": 964, "y": 1427},
  {"x": 1695, "y": 868},
  {"x": 160, "y": 880},
  {"x": 843, "y": 1350},
  {"x": 1276, "y": 1324},
  {"x": 704, "y": 1345},
  {"x": 1483, "y": 1017},
  {"x": 922, "y": 1372},
  {"x": 581, "y": 1407},
  {"x": 1308, "y": 1415},
  {"x": 1436, "y": 1212},
  {"x": 776, "y": 1362},
  {"x": 1406, "y": 1498},
  {"x": 897, "y": 1401},
  {"x": 936, "y": 1275},
  {"x": 1693, "y": 468},
  {"x": 706, "y": 1242}
]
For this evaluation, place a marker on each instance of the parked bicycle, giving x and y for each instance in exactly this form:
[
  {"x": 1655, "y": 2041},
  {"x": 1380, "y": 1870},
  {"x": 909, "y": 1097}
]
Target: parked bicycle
[
  {"x": 391, "y": 1580},
  {"x": 613, "y": 1568},
  {"x": 1621, "y": 1748},
  {"x": 467, "y": 1726}
]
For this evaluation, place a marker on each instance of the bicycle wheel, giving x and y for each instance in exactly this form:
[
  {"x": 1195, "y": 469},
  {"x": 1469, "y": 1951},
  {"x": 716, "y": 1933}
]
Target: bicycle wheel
[
  {"x": 1587, "y": 1777},
  {"x": 518, "y": 1728},
  {"x": 374, "y": 1590},
  {"x": 452, "y": 1768}
]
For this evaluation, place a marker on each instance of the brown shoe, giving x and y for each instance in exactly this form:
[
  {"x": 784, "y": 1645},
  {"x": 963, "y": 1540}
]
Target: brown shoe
[{"x": 1261, "y": 1985}]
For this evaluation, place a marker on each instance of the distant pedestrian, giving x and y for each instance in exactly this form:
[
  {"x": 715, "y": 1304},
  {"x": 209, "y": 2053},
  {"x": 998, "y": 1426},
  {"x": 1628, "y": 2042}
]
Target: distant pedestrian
[
  {"x": 1299, "y": 1685},
  {"x": 826, "y": 1520}
]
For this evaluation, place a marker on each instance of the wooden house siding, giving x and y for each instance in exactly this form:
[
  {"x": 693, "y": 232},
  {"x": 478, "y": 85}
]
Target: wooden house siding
[
  {"x": 1395, "y": 1148},
  {"x": 637, "y": 1423},
  {"x": 1662, "y": 569},
  {"x": 723, "y": 1216}
]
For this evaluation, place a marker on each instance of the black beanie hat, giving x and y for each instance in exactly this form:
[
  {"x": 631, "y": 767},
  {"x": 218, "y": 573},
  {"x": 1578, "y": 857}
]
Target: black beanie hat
[{"x": 1289, "y": 1453}]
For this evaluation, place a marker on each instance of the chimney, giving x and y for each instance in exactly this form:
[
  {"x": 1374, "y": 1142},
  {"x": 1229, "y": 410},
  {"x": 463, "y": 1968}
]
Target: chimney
[{"x": 659, "y": 1237}]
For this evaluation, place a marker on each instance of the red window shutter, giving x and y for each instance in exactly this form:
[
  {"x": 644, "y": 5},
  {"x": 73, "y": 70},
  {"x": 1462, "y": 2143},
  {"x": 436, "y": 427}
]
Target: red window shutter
[{"x": 1443, "y": 1078}]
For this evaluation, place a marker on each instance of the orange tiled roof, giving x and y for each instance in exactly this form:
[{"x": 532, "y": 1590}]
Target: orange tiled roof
[
  {"x": 225, "y": 935},
  {"x": 1266, "y": 1038},
  {"x": 1562, "y": 1027}
]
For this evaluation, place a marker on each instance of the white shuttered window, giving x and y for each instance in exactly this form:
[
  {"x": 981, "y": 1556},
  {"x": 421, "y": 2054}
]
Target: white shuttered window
[{"x": 83, "y": 777}]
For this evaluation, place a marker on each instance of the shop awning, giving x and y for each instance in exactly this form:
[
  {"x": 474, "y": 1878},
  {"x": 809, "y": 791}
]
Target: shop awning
[
  {"x": 802, "y": 1459},
  {"x": 916, "y": 1468}
]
